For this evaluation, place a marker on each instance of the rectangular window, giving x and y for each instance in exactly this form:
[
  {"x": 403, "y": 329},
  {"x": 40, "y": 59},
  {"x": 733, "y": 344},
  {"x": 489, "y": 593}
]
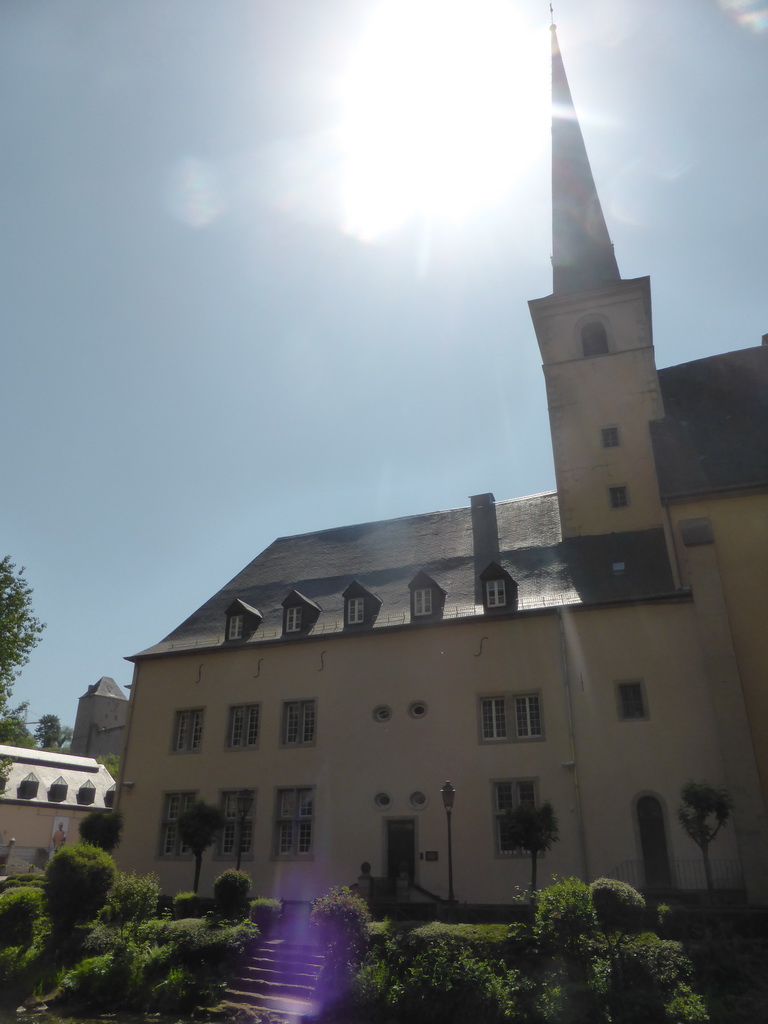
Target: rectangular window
[
  {"x": 299, "y": 718},
  {"x": 528, "y": 716},
  {"x": 507, "y": 795},
  {"x": 293, "y": 619},
  {"x": 293, "y": 822},
  {"x": 188, "y": 730},
  {"x": 243, "y": 729},
  {"x": 493, "y": 718},
  {"x": 496, "y": 593},
  {"x": 232, "y": 825},
  {"x": 355, "y": 610},
  {"x": 630, "y": 701},
  {"x": 610, "y": 437},
  {"x": 174, "y": 806},
  {"x": 422, "y": 601},
  {"x": 618, "y": 497},
  {"x": 235, "y": 628}
]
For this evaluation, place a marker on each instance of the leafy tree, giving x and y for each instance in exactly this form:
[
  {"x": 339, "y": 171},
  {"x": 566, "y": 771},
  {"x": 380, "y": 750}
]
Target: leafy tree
[
  {"x": 111, "y": 762},
  {"x": 198, "y": 828},
  {"x": 703, "y": 812},
  {"x": 48, "y": 732},
  {"x": 78, "y": 879},
  {"x": 533, "y": 829},
  {"x": 20, "y": 631},
  {"x": 102, "y": 829}
]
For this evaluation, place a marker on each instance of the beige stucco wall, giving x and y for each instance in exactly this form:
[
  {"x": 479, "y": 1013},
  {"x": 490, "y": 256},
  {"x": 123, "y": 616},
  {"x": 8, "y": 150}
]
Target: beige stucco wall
[{"x": 354, "y": 757}]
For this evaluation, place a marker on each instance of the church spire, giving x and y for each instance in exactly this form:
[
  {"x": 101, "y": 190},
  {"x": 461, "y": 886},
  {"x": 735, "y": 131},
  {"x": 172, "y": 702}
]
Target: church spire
[{"x": 582, "y": 252}]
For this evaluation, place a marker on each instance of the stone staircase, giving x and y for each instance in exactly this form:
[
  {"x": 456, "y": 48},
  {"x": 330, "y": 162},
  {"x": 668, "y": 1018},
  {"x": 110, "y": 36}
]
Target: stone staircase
[{"x": 277, "y": 979}]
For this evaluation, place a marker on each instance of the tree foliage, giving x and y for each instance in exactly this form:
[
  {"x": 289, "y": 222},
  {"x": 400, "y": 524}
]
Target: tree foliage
[
  {"x": 102, "y": 829},
  {"x": 534, "y": 829},
  {"x": 78, "y": 879},
  {"x": 198, "y": 828},
  {"x": 703, "y": 812},
  {"x": 20, "y": 631},
  {"x": 48, "y": 732}
]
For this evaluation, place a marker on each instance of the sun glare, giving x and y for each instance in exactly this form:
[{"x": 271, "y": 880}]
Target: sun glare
[{"x": 446, "y": 103}]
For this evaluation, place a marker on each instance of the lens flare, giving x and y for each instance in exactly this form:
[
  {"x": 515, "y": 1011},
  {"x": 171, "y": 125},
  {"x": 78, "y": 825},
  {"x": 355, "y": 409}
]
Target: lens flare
[
  {"x": 749, "y": 13},
  {"x": 193, "y": 193}
]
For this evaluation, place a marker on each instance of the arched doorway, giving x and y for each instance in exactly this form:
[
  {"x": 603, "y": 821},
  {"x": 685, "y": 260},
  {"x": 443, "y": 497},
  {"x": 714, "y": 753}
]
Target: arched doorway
[{"x": 653, "y": 843}]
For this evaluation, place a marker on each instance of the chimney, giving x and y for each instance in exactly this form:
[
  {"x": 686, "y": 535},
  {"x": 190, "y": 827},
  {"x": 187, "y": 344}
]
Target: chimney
[{"x": 485, "y": 537}]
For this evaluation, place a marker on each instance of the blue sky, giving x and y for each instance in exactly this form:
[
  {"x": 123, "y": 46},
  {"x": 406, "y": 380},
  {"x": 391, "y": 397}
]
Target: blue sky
[{"x": 200, "y": 355}]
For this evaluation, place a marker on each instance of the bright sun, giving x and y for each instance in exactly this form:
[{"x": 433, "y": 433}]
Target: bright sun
[{"x": 445, "y": 105}]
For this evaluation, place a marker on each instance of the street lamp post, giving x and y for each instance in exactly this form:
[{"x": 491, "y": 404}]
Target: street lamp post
[
  {"x": 244, "y": 802},
  {"x": 449, "y": 794}
]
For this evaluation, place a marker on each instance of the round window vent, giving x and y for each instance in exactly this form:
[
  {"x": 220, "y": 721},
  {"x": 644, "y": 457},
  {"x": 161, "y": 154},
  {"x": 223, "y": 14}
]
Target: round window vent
[
  {"x": 382, "y": 713},
  {"x": 383, "y": 800},
  {"x": 418, "y": 799},
  {"x": 418, "y": 709}
]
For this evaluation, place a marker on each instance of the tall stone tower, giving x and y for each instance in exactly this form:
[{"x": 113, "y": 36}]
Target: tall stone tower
[{"x": 102, "y": 712}]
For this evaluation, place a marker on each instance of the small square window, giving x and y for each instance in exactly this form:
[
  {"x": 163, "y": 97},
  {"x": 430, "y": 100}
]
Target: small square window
[
  {"x": 631, "y": 702},
  {"x": 293, "y": 619},
  {"x": 422, "y": 601},
  {"x": 355, "y": 610},
  {"x": 610, "y": 437},
  {"x": 618, "y": 497},
  {"x": 496, "y": 593}
]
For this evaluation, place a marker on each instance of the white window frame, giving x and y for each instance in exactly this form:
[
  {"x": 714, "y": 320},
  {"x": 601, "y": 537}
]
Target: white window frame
[
  {"x": 299, "y": 723},
  {"x": 243, "y": 726},
  {"x": 294, "y": 822},
  {"x": 355, "y": 610},
  {"x": 493, "y": 719},
  {"x": 236, "y": 625},
  {"x": 229, "y": 834},
  {"x": 293, "y": 618},
  {"x": 508, "y": 794},
  {"x": 496, "y": 593},
  {"x": 422, "y": 601},
  {"x": 618, "y": 497},
  {"x": 529, "y": 724},
  {"x": 174, "y": 805},
  {"x": 188, "y": 731}
]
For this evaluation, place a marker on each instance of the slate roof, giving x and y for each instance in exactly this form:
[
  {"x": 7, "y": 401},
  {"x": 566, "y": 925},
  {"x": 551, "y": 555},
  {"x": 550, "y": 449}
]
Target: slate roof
[
  {"x": 105, "y": 687},
  {"x": 714, "y": 436},
  {"x": 48, "y": 768},
  {"x": 385, "y": 556}
]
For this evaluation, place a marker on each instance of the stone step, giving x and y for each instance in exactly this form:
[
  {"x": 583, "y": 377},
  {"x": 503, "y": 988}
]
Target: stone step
[{"x": 278, "y": 976}]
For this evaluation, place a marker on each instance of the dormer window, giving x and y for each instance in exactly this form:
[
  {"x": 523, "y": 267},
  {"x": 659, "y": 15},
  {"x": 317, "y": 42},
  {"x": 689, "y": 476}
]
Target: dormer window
[
  {"x": 58, "y": 790},
  {"x": 109, "y": 796},
  {"x": 360, "y": 606},
  {"x": 499, "y": 590},
  {"x": 242, "y": 620},
  {"x": 28, "y": 787},
  {"x": 299, "y": 613},
  {"x": 87, "y": 793},
  {"x": 427, "y": 598},
  {"x": 293, "y": 619},
  {"x": 422, "y": 601}
]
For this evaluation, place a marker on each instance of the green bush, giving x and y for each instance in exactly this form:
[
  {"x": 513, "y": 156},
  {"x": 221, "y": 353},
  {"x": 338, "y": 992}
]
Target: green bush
[
  {"x": 132, "y": 899},
  {"x": 341, "y": 919},
  {"x": 265, "y": 913},
  {"x": 231, "y": 891},
  {"x": 102, "y": 983},
  {"x": 618, "y": 906},
  {"x": 78, "y": 880},
  {"x": 102, "y": 829},
  {"x": 186, "y": 904},
  {"x": 565, "y": 913},
  {"x": 19, "y": 910},
  {"x": 16, "y": 881}
]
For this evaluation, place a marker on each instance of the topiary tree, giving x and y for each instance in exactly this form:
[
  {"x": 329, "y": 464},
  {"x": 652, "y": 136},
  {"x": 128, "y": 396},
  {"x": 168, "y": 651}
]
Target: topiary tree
[
  {"x": 265, "y": 913},
  {"x": 534, "y": 829},
  {"x": 19, "y": 909},
  {"x": 342, "y": 918},
  {"x": 703, "y": 812},
  {"x": 618, "y": 906},
  {"x": 198, "y": 827},
  {"x": 78, "y": 879},
  {"x": 231, "y": 891},
  {"x": 565, "y": 913},
  {"x": 102, "y": 829}
]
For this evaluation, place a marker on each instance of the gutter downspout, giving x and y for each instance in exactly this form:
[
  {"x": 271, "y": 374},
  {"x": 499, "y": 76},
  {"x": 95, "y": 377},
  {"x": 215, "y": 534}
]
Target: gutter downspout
[{"x": 574, "y": 766}]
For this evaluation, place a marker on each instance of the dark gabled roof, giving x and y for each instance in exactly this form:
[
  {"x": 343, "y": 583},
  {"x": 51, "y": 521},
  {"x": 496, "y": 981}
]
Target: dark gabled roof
[
  {"x": 385, "y": 556},
  {"x": 714, "y": 435}
]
